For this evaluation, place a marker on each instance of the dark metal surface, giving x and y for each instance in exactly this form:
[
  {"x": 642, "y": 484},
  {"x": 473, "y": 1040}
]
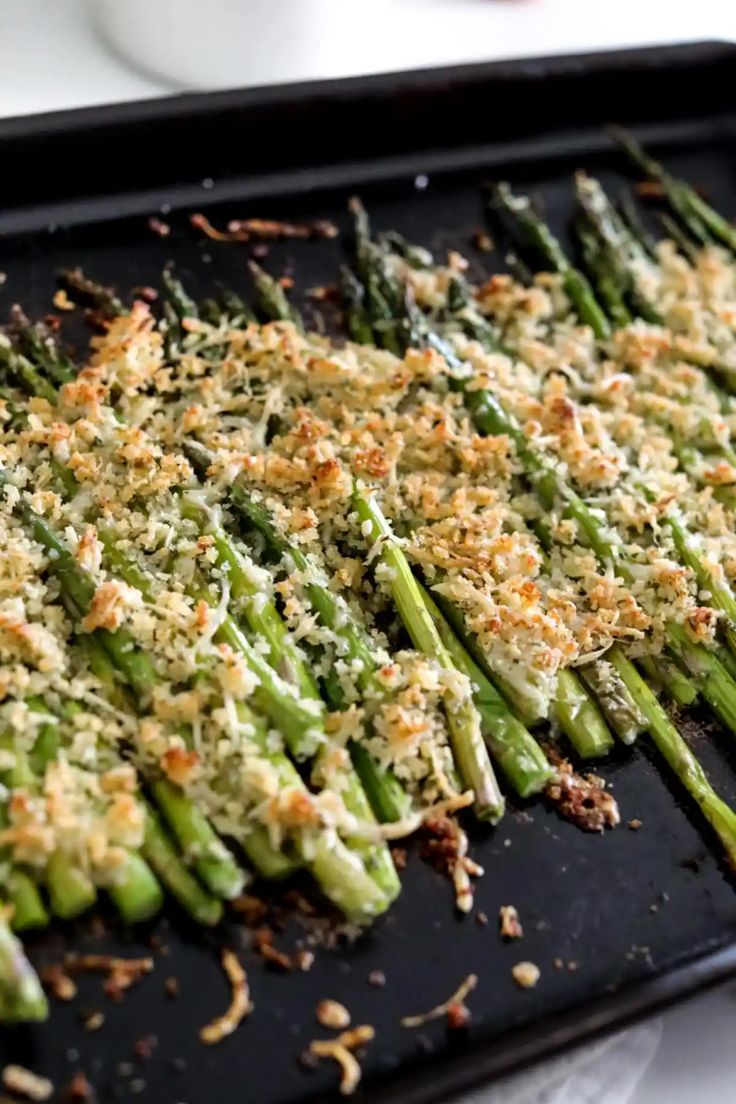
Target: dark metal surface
[{"x": 618, "y": 924}]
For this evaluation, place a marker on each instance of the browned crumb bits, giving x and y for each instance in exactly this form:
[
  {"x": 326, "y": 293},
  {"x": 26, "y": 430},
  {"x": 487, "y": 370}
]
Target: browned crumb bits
[
  {"x": 482, "y": 241},
  {"x": 440, "y": 1010},
  {"x": 340, "y": 1050},
  {"x": 458, "y": 1016},
  {"x": 23, "y": 1082},
  {"x": 526, "y": 974},
  {"x": 509, "y": 923},
  {"x": 171, "y": 987},
  {"x": 582, "y": 799},
  {"x": 635, "y": 824},
  {"x": 263, "y": 940},
  {"x": 159, "y": 227},
  {"x": 331, "y": 1013},
  {"x": 57, "y": 981},
  {"x": 93, "y": 1020},
  {"x": 144, "y": 1047},
  {"x": 62, "y": 301},
  {"x": 240, "y": 1005},
  {"x": 377, "y": 978},
  {"x": 79, "y": 1090}
]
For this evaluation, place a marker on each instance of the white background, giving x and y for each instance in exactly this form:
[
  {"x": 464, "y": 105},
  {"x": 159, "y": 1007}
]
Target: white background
[{"x": 51, "y": 58}]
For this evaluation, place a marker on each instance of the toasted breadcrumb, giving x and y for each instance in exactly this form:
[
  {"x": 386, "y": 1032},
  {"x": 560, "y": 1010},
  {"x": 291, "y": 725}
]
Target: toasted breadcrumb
[
  {"x": 526, "y": 974},
  {"x": 240, "y": 1004},
  {"x": 25, "y": 1083},
  {"x": 340, "y": 1051},
  {"x": 440, "y": 1010},
  {"x": 331, "y": 1013}
]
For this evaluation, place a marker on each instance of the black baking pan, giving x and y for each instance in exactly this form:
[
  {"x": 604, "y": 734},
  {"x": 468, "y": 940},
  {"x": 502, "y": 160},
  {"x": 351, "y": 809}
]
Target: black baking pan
[{"x": 619, "y": 925}]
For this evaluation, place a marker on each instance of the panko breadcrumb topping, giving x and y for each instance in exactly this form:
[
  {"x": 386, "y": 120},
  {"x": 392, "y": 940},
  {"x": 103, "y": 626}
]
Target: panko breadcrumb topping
[
  {"x": 440, "y": 1010},
  {"x": 341, "y": 1051},
  {"x": 240, "y": 1004},
  {"x": 24, "y": 1082},
  {"x": 526, "y": 974}
]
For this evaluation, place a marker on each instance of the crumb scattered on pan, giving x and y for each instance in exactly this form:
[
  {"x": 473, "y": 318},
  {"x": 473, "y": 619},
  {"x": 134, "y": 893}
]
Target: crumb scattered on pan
[
  {"x": 481, "y": 919},
  {"x": 144, "y": 1047},
  {"x": 526, "y": 974},
  {"x": 458, "y": 1017},
  {"x": 509, "y": 923},
  {"x": 446, "y": 848},
  {"x": 440, "y": 1010},
  {"x": 171, "y": 987},
  {"x": 78, "y": 1091},
  {"x": 23, "y": 1082},
  {"x": 482, "y": 241},
  {"x": 304, "y": 960},
  {"x": 582, "y": 799},
  {"x": 635, "y": 824},
  {"x": 240, "y": 1004},
  {"x": 331, "y": 1013},
  {"x": 245, "y": 230},
  {"x": 263, "y": 940},
  {"x": 159, "y": 227},
  {"x": 62, "y": 301},
  {"x": 57, "y": 981},
  {"x": 340, "y": 1051},
  {"x": 121, "y": 972},
  {"x": 649, "y": 189},
  {"x": 253, "y": 910},
  {"x": 92, "y": 1019},
  {"x": 377, "y": 978}
]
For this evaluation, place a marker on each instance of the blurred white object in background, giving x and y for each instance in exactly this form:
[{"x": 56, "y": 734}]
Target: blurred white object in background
[
  {"x": 232, "y": 43},
  {"x": 224, "y": 43}
]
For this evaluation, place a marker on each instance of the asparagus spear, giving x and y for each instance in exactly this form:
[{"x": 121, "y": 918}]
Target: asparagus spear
[
  {"x": 70, "y": 890},
  {"x": 271, "y": 297},
  {"x": 256, "y": 843},
  {"x": 471, "y": 758},
  {"x": 718, "y": 688},
  {"x": 21, "y": 995},
  {"x": 298, "y": 721},
  {"x": 273, "y": 301},
  {"x": 134, "y": 665},
  {"x": 701, "y": 220},
  {"x": 719, "y": 683},
  {"x": 190, "y": 827},
  {"x": 538, "y": 235},
  {"x": 91, "y": 292},
  {"x": 512, "y": 746},
  {"x": 574, "y": 708}
]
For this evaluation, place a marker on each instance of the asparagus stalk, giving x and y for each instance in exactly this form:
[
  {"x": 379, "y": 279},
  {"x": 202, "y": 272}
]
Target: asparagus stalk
[
  {"x": 549, "y": 486},
  {"x": 387, "y": 797},
  {"x": 701, "y": 220},
  {"x": 678, "y": 755},
  {"x": 718, "y": 688},
  {"x": 70, "y": 890},
  {"x": 256, "y": 845},
  {"x": 91, "y": 292},
  {"x": 537, "y": 234},
  {"x": 271, "y": 297},
  {"x": 21, "y": 995},
  {"x": 511, "y": 745},
  {"x": 469, "y": 753},
  {"x": 134, "y": 665},
  {"x": 185, "y": 820},
  {"x": 576, "y": 711},
  {"x": 298, "y": 721}
]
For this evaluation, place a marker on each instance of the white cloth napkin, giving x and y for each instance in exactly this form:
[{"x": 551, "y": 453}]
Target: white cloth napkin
[{"x": 606, "y": 1072}]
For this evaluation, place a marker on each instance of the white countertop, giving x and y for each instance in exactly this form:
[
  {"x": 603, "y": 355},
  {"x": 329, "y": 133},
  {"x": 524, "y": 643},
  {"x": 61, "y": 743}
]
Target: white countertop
[{"x": 51, "y": 58}]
